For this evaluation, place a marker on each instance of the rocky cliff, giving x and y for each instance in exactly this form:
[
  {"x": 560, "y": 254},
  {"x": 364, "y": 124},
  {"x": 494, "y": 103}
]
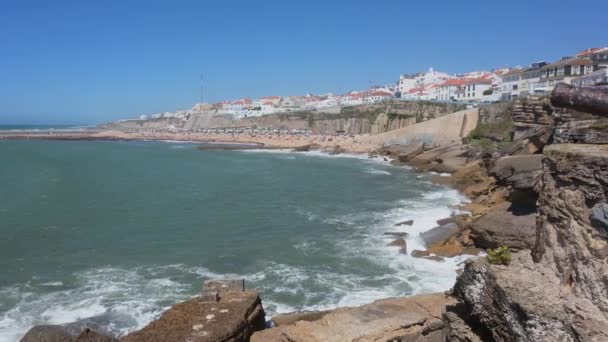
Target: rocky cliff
[
  {"x": 558, "y": 290},
  {"x": 364, "y": 119}
]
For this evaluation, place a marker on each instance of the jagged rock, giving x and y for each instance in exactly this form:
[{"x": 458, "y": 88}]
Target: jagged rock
[
  {"x": 423, "y": 160},
  {"x": 502, "y": 226},
  {"x": 48, "y": 333},
  {"x": 306, "y": 148},
  {"x": 291, "y": 318},
  {"x": 414, "y": 318},
  {"x": 522, "y": 302},
  {"x": 235, "y": 317},
  {"x": 575, "y": 180},
  {"x": 448, "y": 249},
  {"x": 409, "y": 152},
  {"x": 460, "y": 220},
  {"x": 396, "y": 234},
  {"x": 89, "y": 335},
  {"x": 420, "y": 254},
  {"x": 520, "y": 172},
  {"x": 405, "y": 223},
  {"x": 560, "y": 291},
  {"x": 64, "y": 333},
  {"x": 599, "y": 217},
  {"x": 439, "y": 235},
  {"x": 400, "y": 242},
  {"x": 403, "y": 153},
  {"x": 531, "y": 141},
  {"x": 584, "y": 131}
]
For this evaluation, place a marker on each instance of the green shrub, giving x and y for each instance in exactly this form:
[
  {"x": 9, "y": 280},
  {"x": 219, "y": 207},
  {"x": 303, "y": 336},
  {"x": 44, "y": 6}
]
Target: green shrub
[
  {"x": 499, "y": 256},
  {"x": 488, "y": 92}
]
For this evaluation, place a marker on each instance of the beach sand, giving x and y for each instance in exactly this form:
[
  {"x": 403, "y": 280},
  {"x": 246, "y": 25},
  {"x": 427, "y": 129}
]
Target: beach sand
[{"x": 352, "y": 144}]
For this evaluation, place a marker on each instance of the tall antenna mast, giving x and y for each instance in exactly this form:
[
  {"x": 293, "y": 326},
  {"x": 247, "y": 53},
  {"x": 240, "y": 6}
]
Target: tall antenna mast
[{"x": 201, "y": 99}]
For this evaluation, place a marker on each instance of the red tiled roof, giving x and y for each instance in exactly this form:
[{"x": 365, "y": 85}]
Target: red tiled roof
[
  {"x": 588, "y": 51},
  {"x": 453, "y": 82},
  {"x": 380, "y": 93},
  {"x": 242, "y": 101},
  {"x": 478, "y": 81}
]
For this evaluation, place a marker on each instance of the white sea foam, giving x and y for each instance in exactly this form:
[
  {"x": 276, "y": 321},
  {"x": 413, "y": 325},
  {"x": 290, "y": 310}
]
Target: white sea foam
[
  {"x": 323, "y": 154},
  {"x": 378, "y": 172},
  {"x": 126, "y": 298}
]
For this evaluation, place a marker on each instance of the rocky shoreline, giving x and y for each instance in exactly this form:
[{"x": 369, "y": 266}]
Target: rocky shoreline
[{"x": 539, "y": 206}]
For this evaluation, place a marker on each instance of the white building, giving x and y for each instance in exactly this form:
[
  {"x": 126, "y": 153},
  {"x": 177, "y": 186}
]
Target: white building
[
  {"x": 447, "y": 91},
  {"x": 408, "y": 82},
  {"x": 376, "y": 96},
  {"x": 473, "y": 90},
  {"x": 352, "y": 99},
  {"x": 510, "y": 84}
]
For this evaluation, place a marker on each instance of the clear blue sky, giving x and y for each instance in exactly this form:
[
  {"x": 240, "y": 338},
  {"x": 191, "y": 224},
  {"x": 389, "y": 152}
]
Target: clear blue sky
[{"x": 90, "y": 61}]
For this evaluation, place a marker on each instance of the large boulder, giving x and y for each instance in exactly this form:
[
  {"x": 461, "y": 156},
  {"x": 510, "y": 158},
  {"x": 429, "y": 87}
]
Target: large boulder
[
  {"x": 428, "y": 158},
  {"x": 440, "y": 235},
  {"x": 48, "y": 333},
  {"x": 403, "y": 153},
  {"x": 520, "y": 172},
  {"x": 64, "y": 333},
  {"x": 414, "y": 318},
  {"x": 233, "y": 317},
  {"x": 502, "y": 226}
]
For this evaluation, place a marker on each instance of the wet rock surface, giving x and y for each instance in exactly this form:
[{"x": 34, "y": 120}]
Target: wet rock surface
[{"x": 441, "y": 234}]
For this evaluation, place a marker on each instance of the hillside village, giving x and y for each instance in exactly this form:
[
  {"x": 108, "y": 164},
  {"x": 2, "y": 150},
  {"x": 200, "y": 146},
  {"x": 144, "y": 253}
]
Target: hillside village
[{"x": 586, "y": 68}]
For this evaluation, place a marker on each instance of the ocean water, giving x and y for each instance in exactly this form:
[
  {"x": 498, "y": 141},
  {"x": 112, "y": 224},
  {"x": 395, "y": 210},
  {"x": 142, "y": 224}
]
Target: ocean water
[
  {"x": 41, "y": 127},
  {"x": 113, "y": 233}
]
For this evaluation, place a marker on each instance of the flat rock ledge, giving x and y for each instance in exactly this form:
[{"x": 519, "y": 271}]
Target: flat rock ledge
[
  {"x": 223, "y": 313},
  {"x": 416, "y": 318}
]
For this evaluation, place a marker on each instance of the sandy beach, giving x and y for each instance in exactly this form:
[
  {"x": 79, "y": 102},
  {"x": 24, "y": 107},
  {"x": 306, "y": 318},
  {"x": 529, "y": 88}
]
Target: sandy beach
[{"x": 353, "y": 144}]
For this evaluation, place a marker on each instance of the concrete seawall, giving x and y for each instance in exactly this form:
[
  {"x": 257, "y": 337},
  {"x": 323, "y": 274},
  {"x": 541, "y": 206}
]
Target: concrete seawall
[{"x": 439, "y": 131}]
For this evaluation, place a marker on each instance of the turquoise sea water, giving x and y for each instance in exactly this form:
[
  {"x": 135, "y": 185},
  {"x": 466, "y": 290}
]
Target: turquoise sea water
[{"x": 116, "y": 232}]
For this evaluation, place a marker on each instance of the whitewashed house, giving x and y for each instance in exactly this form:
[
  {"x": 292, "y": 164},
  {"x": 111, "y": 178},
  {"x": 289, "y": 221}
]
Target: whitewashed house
[
  {"x": 447, "y": 91},
  {"x": 473, "y": 90}
]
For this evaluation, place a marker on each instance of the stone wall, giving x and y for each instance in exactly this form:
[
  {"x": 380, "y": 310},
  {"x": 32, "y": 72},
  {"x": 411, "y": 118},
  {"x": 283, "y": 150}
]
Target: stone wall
[
  {"x": 440, "y": 131},
  {"x": 530, "y": 113}
]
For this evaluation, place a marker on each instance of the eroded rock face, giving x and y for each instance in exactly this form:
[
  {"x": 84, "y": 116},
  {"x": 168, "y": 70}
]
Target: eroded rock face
[
  {"x": 523, "y": 302},
  {"x": 415, "y": 318},
  {"x": 575, "y": 180},
  {"x": 235, "y": 317},
  {"x": 558, "y": 291}
]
